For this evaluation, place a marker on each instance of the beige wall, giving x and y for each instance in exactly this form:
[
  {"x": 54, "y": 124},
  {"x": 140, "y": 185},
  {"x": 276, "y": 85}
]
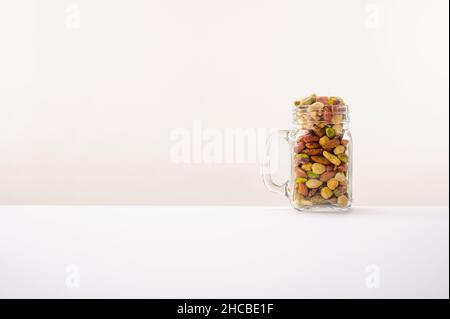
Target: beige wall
[{"x": 93, "y": 91}]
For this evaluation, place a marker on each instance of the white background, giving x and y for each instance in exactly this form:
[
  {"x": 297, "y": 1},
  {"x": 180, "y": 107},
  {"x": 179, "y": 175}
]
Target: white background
[
  {"x": 222, "y": 252},
  {"x": 91, "y": 90}
]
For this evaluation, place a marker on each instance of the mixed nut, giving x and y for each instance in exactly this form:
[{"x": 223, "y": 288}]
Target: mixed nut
[{"x": 321, "y": 155}]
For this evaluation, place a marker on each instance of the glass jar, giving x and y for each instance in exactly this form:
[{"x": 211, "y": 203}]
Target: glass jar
[{"x": 321, "y": 156}]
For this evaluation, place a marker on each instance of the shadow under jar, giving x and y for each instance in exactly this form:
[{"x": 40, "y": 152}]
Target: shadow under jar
[{"x": 321, "y": 156}]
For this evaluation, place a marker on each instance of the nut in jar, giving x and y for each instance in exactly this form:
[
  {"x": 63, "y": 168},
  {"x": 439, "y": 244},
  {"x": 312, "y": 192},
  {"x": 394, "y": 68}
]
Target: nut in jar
[{"x": 322, "y": 155}]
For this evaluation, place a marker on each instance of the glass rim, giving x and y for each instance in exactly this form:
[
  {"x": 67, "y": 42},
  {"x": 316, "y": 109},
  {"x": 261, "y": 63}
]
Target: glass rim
[{"x": 306, "y": 107}]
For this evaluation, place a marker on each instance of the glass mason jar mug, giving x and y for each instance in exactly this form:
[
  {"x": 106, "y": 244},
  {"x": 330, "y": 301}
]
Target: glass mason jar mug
[{"x": 321, "y": 156}]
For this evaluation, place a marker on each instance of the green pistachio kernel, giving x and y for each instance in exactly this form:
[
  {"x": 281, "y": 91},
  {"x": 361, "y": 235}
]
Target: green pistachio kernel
[
  {"x": 302, "y": 155},
  {"x": 330, "y": 132},
  {"x": 309, "y": 100},
  {"x": 300, "y": 180},
  {"x": 313, "y": 183},
  {"x": 323, "y": 140},
  {"x": 312, "y": 174},
  {"x": 343, "y": 158}
]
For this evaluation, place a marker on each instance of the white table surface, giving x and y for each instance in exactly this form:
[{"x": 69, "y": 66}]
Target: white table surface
[{"x": 223, "y": 252}]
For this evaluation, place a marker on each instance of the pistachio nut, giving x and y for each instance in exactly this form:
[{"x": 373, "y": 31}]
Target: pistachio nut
[
  {"x": 330, "y": 132},
  {"x": 326, "y": 193},
  {"x": 332, "y": 158},
  {"x": 313, "y": 183},
  {"x": 340, "y": 149},
  {"x": 318, "y": 168}
]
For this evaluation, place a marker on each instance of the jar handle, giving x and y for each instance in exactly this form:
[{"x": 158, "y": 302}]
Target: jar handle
[{"x": 281, "y": 189}]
